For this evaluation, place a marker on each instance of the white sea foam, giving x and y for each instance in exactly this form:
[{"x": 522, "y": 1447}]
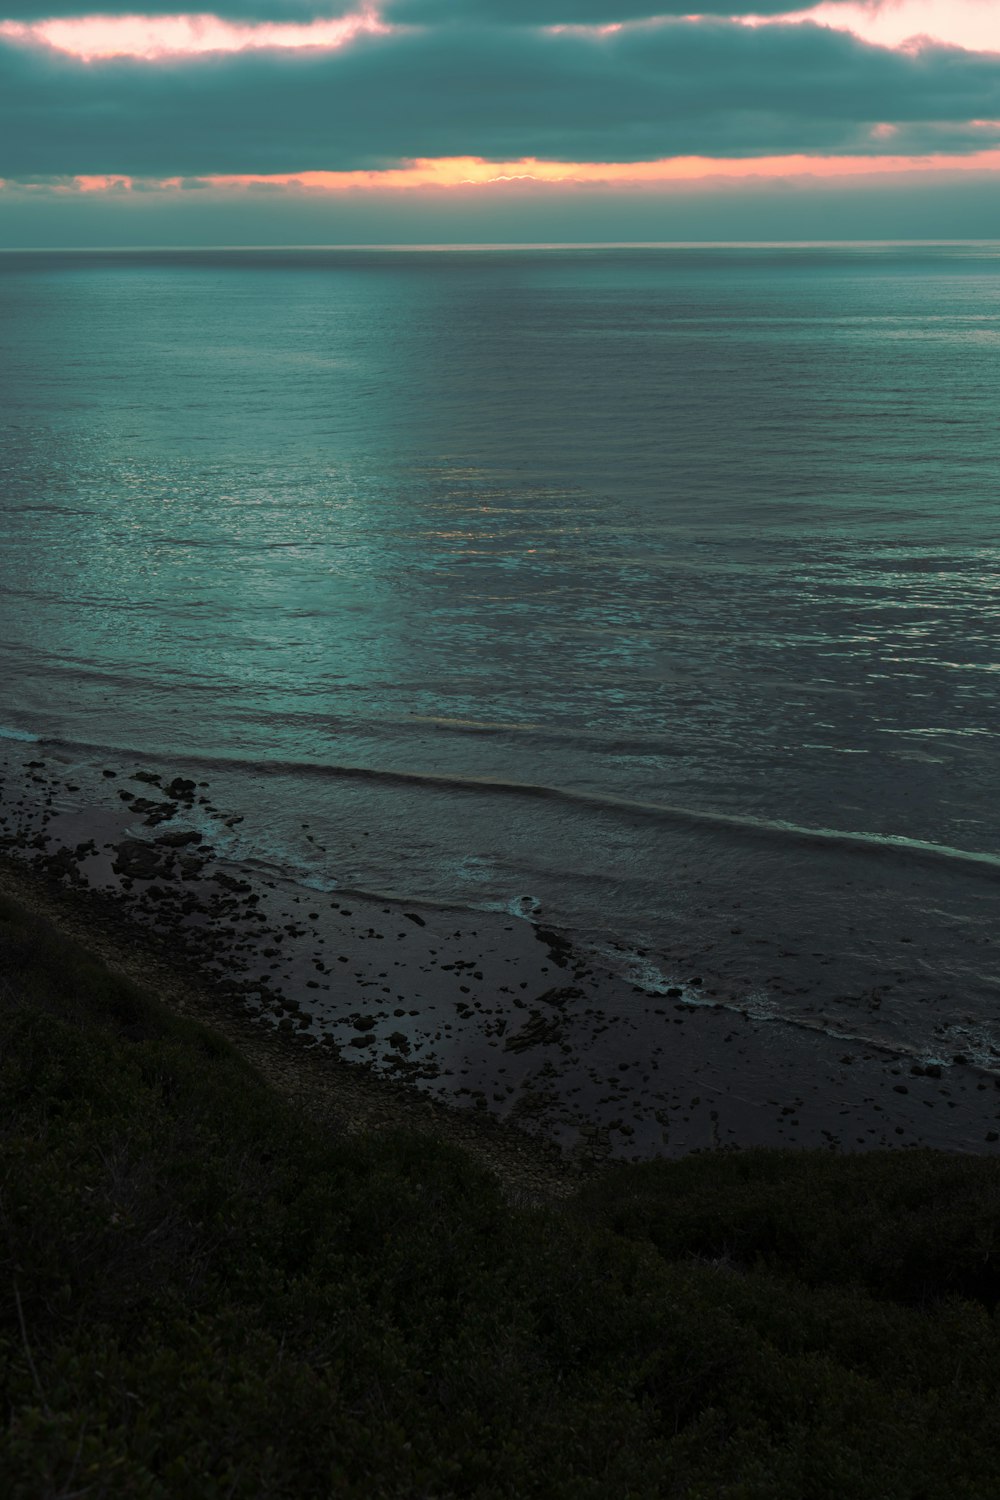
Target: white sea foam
[{"x": 523, "y": 907}]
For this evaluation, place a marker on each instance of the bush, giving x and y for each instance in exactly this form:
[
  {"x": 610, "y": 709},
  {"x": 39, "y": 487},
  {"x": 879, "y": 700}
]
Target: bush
[
  {"x": 209, "y": 1297},
  {"x": 911, "y": 1226}
]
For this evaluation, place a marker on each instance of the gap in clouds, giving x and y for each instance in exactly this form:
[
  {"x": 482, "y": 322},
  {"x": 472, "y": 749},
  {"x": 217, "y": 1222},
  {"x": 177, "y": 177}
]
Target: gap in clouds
[
  {"x": 149, "y": 38},
  {"x": 971, "y": 24},
  {"x": 457, "y": 173}
]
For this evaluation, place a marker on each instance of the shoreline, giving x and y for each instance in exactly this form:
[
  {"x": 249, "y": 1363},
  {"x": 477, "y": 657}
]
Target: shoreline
[
  {"x": 327, "y": 1090},
  {"x": 378, "y": 1012},
  {"x": 195, "y": 1264}
]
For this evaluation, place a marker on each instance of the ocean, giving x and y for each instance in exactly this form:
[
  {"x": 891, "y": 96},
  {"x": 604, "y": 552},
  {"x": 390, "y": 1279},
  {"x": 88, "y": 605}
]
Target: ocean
[{"x": 652, "y": 591}]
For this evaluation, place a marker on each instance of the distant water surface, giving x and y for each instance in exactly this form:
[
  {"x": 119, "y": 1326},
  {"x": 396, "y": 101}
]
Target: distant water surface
[{"x": 659, "y": 586}]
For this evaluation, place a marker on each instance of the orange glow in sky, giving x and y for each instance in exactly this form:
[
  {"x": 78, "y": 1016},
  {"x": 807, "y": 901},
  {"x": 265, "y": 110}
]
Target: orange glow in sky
[{"x": 472, "y": 172}]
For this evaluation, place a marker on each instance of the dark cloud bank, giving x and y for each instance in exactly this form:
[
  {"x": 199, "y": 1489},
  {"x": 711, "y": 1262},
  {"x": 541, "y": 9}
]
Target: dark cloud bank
[
  {"x": 484, "y": 78},
  {"x": 711, "y": 88}
]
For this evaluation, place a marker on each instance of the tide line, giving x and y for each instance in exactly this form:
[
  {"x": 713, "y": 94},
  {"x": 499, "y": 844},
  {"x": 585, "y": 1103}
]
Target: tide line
[{"x": 878, "y": 844}]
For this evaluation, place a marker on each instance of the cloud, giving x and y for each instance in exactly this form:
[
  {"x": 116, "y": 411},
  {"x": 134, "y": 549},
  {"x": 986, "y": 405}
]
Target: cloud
[
  {"x": 436, "y": 13},
  {"x": 569, "y": 12},
  {"x": 504, "y": 93},
  {"x": 155, "y": 37},
  {"x": 230, "y": 10}
]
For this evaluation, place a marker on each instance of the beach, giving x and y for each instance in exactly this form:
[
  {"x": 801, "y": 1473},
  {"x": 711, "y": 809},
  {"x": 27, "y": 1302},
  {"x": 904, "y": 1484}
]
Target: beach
[
  {"x": 477, "y": 1016},
  {"x": 558, "y": 683}
]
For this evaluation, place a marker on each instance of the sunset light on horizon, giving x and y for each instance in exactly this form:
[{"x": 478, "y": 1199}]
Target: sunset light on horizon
[
  {"x": 455, "y": 173},
  {"x": 533, "y": 106}
]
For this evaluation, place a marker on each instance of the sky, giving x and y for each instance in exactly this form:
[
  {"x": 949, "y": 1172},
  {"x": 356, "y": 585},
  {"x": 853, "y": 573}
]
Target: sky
[{"x": 496, "y": 121}]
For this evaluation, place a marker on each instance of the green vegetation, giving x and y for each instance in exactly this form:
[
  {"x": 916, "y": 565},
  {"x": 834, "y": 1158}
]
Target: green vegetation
[{"x": 205, "y": 1296}]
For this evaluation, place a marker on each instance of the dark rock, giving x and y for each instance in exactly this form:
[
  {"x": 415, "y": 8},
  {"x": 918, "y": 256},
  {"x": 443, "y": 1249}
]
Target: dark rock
[
  {"x": 559, "y": 946},
  {"x": 539, "y": 1031},
  {"x": 62, "y": 864},
  {"x": 161, "y": 814},
  {"x": 178, "y": 840},
  {"x": 559, "y": 996}
]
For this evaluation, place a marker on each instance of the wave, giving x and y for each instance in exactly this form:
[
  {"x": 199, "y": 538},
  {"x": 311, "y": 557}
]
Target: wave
[
  {"x": 360, "y": 725},
  {"x": 21, "y": 735},
  {"x": 610, "y": 742},
  {"x": 876, "y": 844},
  {"x": 976, "y": 1043}
]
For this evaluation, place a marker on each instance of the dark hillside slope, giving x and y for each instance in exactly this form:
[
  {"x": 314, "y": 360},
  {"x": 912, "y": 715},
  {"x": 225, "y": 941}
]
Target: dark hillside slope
[{"x": 206, "y": 1295}]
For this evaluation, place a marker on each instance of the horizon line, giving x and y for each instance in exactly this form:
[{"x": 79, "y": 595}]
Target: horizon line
[{"x": 735, "y": 244}]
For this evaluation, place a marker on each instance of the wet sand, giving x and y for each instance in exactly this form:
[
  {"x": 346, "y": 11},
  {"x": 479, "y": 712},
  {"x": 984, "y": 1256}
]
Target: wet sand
[{"x": 536, "y": 1052}]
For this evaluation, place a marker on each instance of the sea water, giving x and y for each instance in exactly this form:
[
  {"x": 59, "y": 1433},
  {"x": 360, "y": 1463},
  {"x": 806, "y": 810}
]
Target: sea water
[{"x": 654, "y": 590}]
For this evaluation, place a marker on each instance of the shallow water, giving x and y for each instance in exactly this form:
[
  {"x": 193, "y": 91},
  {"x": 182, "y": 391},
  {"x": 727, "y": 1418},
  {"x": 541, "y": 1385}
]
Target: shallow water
[{"x": 656, "y": 586}]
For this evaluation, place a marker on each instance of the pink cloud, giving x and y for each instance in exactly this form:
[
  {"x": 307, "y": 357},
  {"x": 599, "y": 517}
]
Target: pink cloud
[
  {"x": 93, "y": 38},
  {"x": 972, "y": 24}
]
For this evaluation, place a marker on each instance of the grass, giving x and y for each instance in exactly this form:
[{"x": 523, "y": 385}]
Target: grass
[{"x": 203, "y": 1295}]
